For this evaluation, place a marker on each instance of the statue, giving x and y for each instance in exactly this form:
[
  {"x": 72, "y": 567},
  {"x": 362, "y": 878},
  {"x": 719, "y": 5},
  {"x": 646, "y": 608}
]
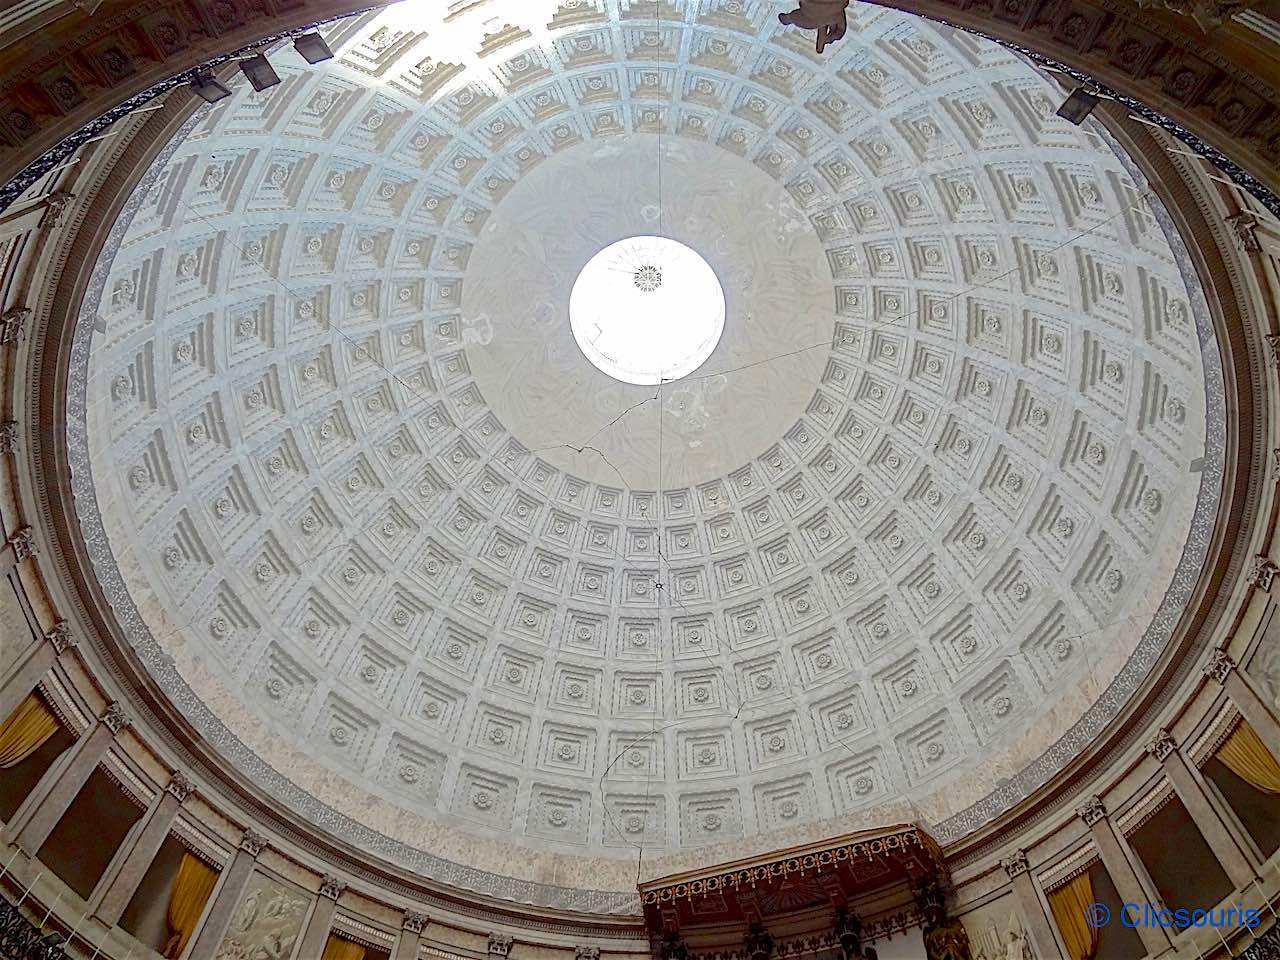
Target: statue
[
  {"x": 674, "y": 947},
  {"x": 825, "y": 16},
  {"x": 847, "y": 928},
  {"x": 759, "y": 943},
  {"x": 1017, "y": 948},
  {"x": 945, "y": 938}
]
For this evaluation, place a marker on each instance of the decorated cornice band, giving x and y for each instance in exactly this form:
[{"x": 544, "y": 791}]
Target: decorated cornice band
[{"x": 897, "y": 842}]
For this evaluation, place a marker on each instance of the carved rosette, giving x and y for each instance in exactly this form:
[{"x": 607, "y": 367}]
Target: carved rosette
[
  {"x": 253, "y": 843},
  {"x": 1016, "y": 864},
  {"x": 1162, "y": 745},
  {"x": 331, "y": 886},
  {"x": 1092, "y": 811},
  {"x": 584, "y": 952},
  {"x": 180, "y": 786},
  {"x": 499, "y": 944},
  {"x": 114, "y": 718},
  {"x": 414, "y": 922},
  {"x": 1219, "y": 666}
]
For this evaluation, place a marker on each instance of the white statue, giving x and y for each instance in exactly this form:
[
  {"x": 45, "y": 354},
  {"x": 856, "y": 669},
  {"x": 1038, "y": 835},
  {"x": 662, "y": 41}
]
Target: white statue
[
  {"x": 1017, "y": 947},
  {"x": 825, "y": 16}
]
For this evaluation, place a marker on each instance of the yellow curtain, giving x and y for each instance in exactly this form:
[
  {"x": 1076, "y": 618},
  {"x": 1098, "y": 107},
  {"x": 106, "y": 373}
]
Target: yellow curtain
[
  {"x": 1069, "y": 903},
  {"x": 1248, "y": 758},
  {"x": 191, "y": 889},
  {"x": 25, "y": 730},
  {"x": 337, "y": 948}
]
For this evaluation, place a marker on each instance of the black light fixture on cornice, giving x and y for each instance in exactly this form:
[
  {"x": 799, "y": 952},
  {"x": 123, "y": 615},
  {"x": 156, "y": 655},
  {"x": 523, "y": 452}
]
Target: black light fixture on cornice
[
  {"x": 209, "y": 88},
  {"x": 313, "y": 48},
  {"x": 259, "y": 72},
  {"x": 1078, "y": 106}
]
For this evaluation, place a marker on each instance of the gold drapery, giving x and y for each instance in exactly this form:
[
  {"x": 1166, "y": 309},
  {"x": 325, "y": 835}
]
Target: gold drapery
[
  {"x": 25, "y": 730},
  {"x": 191, "y": 889},
  {"x": 1069, "y": 903},
  {"x": 1245, "y": 755},
  {"x": 336, "y": 948}
]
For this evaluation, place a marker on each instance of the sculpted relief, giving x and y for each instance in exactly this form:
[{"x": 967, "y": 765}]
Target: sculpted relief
[
  {"x": 267, "y": 922},
  {"x": 1264, "y": 668},
  {"x": 996, "y": 933}
]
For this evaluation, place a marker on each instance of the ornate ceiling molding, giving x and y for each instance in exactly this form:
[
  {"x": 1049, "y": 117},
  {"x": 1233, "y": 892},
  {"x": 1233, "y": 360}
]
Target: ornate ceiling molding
[
  {"x": 1008, "y": 794},
  {"x": 1220, "y": 85}
]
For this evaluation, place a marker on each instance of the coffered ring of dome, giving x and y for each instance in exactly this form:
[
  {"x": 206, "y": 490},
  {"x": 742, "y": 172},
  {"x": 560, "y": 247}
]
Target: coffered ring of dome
[{"x": 980, "y": 493}]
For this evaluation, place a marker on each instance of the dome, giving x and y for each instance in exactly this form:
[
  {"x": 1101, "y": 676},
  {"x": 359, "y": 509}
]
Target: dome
[{"x": 905, "y": 539}]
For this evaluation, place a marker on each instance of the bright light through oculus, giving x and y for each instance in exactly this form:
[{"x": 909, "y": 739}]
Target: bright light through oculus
[{"x": 647, "y": 310}]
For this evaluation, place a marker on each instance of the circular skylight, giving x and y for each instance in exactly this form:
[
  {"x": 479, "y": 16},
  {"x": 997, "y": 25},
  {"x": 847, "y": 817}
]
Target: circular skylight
[{"x": 647, "y": 310}]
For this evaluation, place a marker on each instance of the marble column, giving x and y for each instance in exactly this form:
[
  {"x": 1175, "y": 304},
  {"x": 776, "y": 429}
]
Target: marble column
[
  {"x": 411, "y": 927},
  {"x": 316, "y": 933},
  {"x": 116, "y": 890},
  {"x": 1034, "y": 908},
  {"x": 21, "y": 545},
  {"x": 1126, "y": 871},
  {"x": 1188, "y": 784},
  {"x": 60, "y": 784},
  {"x": 226, "y": 898},
  {"x": 31, "y": 666},
  {"x": 1251, "y": 704}
]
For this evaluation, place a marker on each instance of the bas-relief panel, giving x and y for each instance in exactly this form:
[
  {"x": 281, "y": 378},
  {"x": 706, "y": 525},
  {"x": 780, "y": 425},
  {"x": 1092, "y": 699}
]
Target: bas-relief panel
[
  {"x": 1264, "y": 667},
  {"x": 266, "y": 924},
  {"x": 996, "y": 932}
]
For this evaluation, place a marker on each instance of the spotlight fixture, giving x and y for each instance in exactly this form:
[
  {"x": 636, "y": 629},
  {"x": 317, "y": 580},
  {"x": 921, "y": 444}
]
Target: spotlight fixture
[
  {"x": 259, "y": 72},
  {"x": 1078, "y": 106},
  {"x": 313, "y": 48},
  {"x": 209, "y": 88}
]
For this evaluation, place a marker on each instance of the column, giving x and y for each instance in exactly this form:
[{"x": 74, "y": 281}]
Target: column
[
  {"x": 1189, "y": 786},
  {"x": 316, "y": 932},
  {"x": 1124, "y": 869},
  {"x": 31, "y": 667},
  {"x": 59, "y": 786},
  {"x": 1251, "y": 704},
  {"x": 410, "y": 936},
  {"x": 1044, "y": 945},
  {"x": 115, "y": 891},
  {"x": 21, "y": 545},
  {"x": 226, "y": 897}
]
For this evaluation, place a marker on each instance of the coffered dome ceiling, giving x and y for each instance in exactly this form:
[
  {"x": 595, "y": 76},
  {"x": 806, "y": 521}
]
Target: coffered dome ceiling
[{"x": 438, "y": 586}]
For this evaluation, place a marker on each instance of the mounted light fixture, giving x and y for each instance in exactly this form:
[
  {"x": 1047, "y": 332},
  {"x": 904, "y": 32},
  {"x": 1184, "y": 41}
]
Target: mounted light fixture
[
  {"x": 209, "y": 88},
  {"x": 313, "y": 48},
  {"x": 1077, "y": 107},
  {"x": 259, "y": 72}
]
